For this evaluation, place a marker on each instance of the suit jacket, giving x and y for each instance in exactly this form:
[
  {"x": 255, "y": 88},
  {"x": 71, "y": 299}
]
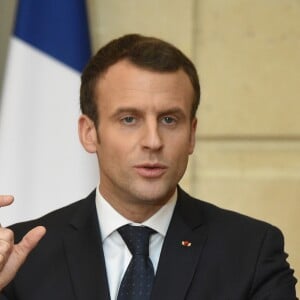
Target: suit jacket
[{"x": 230, "y": 257}]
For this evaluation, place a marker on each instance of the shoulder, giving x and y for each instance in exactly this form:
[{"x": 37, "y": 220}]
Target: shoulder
[
  {"x": 224, "y": 221},
  {"x": 60, "y": 218}
]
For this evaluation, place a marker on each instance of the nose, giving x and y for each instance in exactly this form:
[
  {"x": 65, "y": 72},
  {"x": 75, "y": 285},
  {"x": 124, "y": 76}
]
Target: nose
[{"x": 151, "y": 138}]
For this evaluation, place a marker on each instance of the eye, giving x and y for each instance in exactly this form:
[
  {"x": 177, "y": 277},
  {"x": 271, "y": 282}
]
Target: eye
[
  {"x": 168, "y": 120},
  {"x": 128, "y": 120}
]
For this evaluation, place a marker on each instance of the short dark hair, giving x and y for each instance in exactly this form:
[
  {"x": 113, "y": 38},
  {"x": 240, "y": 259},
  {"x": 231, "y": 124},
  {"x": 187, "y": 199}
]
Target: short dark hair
[{"x": 146, "y": 52}]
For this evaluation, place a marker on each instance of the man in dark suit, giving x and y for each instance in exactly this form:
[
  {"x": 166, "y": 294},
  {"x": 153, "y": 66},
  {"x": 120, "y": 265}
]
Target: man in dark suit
[{"x": 139, "y": 98}]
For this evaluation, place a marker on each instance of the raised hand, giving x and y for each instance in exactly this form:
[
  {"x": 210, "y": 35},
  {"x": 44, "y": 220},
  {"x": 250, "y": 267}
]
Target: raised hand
[{"x": 12, "y": 255}]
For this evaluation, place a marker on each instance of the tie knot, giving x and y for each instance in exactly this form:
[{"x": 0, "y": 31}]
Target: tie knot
[{"x": 136, "y": 238}]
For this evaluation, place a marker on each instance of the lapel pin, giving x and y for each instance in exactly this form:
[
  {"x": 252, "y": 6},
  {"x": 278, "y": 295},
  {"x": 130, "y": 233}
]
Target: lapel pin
[{"x": 186, "y": 243}]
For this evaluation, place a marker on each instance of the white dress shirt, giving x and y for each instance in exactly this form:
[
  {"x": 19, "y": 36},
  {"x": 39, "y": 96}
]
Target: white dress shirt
[{"x": 116, "y": 254}]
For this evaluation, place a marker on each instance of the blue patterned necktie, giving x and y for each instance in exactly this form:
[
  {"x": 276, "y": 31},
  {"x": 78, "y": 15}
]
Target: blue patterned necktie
[{"x": 138, "y": 278}]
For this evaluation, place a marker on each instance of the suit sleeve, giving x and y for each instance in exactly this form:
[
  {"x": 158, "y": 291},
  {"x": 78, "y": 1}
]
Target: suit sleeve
[
  {"x": 273, "y": 278},
  {"x": 2, "y": 297}
]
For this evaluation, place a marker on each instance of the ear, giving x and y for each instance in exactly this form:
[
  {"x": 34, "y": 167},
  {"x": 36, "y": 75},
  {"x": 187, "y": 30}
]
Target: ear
[
  {"x": 193, "y": 136},
  {"x": 87, "y": 134}
]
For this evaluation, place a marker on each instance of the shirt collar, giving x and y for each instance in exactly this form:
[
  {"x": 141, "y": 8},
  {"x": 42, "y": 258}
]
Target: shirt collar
[{"x": 110, "y": 220}]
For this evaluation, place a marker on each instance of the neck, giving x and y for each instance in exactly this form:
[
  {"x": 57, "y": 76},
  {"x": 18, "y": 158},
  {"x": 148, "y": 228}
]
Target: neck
[
  {"x": 135, "y": 210},
  {"x": 136, "y": 213}
]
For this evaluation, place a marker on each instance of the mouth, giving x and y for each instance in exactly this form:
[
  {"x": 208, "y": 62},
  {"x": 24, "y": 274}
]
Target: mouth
[{"x": 149, "y": 170}]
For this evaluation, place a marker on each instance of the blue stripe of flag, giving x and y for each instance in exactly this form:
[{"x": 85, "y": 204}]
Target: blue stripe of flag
[{"x": 57, "y": 27}]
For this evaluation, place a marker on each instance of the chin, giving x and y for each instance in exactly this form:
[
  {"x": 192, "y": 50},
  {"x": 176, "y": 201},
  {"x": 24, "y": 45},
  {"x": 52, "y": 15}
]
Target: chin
[{"x": 154, "y": 194}]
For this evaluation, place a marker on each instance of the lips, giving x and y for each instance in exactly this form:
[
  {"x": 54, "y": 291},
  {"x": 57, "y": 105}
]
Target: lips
[{"x": 149, "y": 170}]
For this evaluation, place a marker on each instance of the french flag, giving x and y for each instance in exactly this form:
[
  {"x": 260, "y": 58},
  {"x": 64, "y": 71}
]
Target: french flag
[{"x": 41, "y": 160}]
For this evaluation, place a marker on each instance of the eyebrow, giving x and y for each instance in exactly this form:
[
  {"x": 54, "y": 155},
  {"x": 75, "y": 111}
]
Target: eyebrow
[
  {"x": 123, "y": 110},
  {"x": 173, "y": 111}
]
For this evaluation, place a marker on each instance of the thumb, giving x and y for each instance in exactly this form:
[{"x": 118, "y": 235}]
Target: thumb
[
  {"x": 19, "y": 253},
  {"x": 29, "y": 241},
  {"x": 6, "y": 200}
]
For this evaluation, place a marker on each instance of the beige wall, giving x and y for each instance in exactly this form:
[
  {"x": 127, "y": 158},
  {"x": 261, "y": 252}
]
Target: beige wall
[
  {"x": 7, "y": 9},
  {"x": 247, "y": 54}
]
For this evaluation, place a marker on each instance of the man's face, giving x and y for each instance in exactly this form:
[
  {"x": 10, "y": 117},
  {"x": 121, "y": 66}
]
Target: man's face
[{"x": 145, "y": 133}]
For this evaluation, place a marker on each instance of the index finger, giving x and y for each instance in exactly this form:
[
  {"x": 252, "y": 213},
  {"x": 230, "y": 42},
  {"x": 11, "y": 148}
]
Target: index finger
[{"x": 6, "y": 200}]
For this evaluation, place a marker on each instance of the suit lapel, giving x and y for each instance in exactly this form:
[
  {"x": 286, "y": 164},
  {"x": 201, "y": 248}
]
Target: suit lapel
[
  {"x": 85, "y": 255},
  {"x": 178, "y": 262}
]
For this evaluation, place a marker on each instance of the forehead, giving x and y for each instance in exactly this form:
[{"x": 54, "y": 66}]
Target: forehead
[{"x": 127, "y": 82}]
